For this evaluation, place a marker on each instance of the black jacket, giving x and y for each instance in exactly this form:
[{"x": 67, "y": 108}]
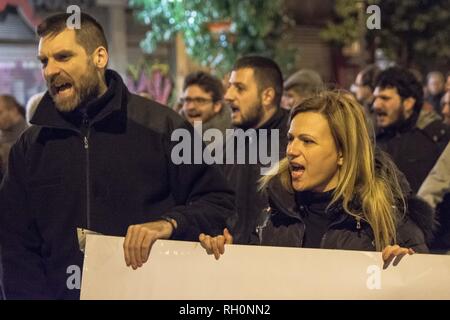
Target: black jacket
[
  {"x": 103, "y": 171},
  {"x": 414, "y": 150},
  {"x": 282, "y": 224},
  {"x": 243, "y": 178}
]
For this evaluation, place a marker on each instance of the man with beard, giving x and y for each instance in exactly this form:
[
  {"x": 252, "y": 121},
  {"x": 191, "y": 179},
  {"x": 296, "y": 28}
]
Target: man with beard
[
  {"x": 398, "y": 101},
  {"x": 96, "y": 158},
  {"x": 254, "y": 94},
  {"x": 202, "y": 102}
]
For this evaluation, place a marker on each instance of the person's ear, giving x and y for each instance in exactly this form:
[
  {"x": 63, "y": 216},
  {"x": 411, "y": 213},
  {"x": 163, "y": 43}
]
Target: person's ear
[
  {"x": 217, "y": 106},
  {"x": 268, "y": 97},
  {"x": 101, "y": 57},
  {"x": 408, "y": 105}
]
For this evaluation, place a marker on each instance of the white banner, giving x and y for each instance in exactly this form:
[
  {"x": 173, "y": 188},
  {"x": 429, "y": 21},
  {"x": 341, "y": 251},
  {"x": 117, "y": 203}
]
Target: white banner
[{"x": 182, "y": 270}]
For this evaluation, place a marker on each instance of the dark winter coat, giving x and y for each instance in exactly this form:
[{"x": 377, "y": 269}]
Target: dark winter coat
[
  {"x": 105, "y": 170},
  {"x": 282, "y": 224},
  {"x": 243, "y": 178},
  {"x": 414, "y": 150}
]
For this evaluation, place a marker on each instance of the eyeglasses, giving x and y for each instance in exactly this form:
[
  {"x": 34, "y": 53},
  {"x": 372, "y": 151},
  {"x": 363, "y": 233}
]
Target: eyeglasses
[{"x": 197, "y": 100}]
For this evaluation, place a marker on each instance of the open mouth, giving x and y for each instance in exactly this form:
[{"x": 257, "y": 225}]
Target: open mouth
[
  {"x": 194, "y": 115},
  {"x": 297, "y": 169},
  {"x": 61, "y": 88},
  {"x": 234, "y": 109}
]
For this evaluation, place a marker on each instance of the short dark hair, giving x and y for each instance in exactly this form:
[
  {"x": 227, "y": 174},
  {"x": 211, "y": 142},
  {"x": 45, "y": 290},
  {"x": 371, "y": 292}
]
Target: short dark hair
[
  {"x": 207, "y": 82},
  {"x": 267, "y": 74},
  {"x": 369, "y": 75},
  {"x": 90, "y": 36},
  {"x": 11, "y": 103},
  {"x": 404, "y": 81}
]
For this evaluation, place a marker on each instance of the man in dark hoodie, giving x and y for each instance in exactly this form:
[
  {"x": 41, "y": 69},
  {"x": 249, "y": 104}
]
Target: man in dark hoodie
[
  {"x": 398, "y": 101},
  {"x": 97, "y": 158},
  {"x": 254, "y": 94}
]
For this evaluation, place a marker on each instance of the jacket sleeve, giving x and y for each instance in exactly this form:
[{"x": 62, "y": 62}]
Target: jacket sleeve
[
  {"x": 409, "y": 235},
  {"x": 204, "y": 200},
  {"x": 437, "y": 184},
  {"x": 417, "y": 227},
  {"x": 24, "y": 275}
]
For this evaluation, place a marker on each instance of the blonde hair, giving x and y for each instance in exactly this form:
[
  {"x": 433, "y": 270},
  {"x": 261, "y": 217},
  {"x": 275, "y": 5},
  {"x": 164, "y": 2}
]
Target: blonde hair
[{"x": 376, "y": 190}]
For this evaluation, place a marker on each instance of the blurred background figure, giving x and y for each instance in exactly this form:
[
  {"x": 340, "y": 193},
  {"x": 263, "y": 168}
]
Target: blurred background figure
[
  {"x": 365, "y": 84},
  {"x": 299, "y": 86},
  {"x": 12, "y": 124},
  {"x": 445, "y": 107},
  {"x": 397, "y": 105},
  {"x": 447, "y": 83},
  {"x": 436, "y": 191},
  {"x": 435, "y": 89},
  {"x": 363, "y": 88},
  {"x": 202, "y": 101},
  {"x": 32, "y": 105},
  {"x": 427, "y": 114}
]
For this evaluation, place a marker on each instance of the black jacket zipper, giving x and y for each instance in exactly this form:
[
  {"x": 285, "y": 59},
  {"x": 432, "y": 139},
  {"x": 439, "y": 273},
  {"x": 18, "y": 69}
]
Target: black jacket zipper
[
  {"x": 84, "y": 134},
  {"x": 86, "y": 131},
  {"x": 293, "y": 215},
  {"x": 324, "y": 237}
]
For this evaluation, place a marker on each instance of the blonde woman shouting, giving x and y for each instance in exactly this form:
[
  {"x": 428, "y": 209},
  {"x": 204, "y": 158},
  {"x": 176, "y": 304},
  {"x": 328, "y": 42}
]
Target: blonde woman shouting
[{"x": 332, "y": 191}]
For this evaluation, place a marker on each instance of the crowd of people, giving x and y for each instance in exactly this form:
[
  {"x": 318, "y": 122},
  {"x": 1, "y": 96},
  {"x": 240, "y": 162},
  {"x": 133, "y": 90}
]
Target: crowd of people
[{"x": 366, "y": 169}]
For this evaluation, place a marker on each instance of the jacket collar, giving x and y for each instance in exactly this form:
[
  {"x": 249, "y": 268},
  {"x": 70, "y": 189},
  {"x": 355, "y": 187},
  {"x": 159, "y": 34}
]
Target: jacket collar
[
  {"x": 113, "y": 100},
  {"x": 402, "y": 127},
  {"x": 282, "y": 199},
  {"x": 285, "y": 201},
  {"x": 274, "y": 122}
]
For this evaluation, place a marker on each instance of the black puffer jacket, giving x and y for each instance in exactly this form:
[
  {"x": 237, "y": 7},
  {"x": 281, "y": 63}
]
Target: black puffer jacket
[{"x": 282, "y": 225}]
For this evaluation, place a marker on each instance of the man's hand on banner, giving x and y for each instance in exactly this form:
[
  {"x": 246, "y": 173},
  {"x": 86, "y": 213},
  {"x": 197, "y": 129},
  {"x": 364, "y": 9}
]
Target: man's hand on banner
[{"x": 140, "y": 239}]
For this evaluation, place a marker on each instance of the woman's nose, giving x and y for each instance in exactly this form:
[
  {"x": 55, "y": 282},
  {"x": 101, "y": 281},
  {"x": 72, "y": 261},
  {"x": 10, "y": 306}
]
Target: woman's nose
[{"x": 293, "y": 149}]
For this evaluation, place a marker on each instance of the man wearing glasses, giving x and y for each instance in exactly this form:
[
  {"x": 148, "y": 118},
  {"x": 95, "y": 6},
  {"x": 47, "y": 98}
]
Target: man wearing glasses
[{"x": 202, "y": 101}]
